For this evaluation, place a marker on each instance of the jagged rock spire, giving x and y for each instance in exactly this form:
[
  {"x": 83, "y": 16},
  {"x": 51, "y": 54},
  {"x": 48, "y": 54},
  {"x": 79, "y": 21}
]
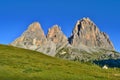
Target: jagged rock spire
[
  {"x": 34, "y": 35},
  {"x": 87, "y": 33},
  {"x": 34, "y": 26},
  {"x": 56, "y": 35},
  {"x": 34, "y": 38}
]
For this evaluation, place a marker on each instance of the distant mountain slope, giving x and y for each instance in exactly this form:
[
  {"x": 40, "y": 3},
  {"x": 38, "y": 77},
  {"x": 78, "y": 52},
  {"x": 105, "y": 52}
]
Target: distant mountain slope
[
  {"x": 88, "y": 55},
  {"x": 86, "y": 43},
  {"x": 22, "y": 64}
]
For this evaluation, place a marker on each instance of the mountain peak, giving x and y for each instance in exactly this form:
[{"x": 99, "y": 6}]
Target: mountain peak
[
  {"x": 56, "y": 35},
  {"x": 34, "y": 35},
  {"x": 53, "y": 31},
  {"x": 87, "y": 33},
  {"x": 86, "y": 19},
  {"x": 85, "y": 36},
  {"x": 55, "y": 28},
  {"x": 84, "y": 24},
  {"x": 34, "y": 26}
]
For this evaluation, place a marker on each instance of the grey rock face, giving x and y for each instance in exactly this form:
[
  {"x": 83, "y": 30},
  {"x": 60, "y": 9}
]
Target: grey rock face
[
  {"x": 56, "y": 35},
  {"x": 34, "y": 35},
  {"x": 87, "y": 33},
  {"x": 34, "y": 38},
  {"x": 86, "y": 43},
  {"x": 75, "y": 54},
  {"x": 49, "y": 48}
]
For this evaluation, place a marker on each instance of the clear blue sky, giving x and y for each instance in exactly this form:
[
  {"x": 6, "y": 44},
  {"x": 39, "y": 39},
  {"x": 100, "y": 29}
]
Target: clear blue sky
[{"x": 16, "y": 15}]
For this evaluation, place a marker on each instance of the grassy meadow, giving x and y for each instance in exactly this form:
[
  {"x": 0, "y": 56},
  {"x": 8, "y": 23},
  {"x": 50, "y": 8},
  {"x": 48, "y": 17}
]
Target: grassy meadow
[{"x": 22, "y": 64}]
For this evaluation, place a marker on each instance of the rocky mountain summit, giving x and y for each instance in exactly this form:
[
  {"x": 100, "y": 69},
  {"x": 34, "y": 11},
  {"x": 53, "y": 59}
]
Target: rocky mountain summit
[
  {"x": 86, "y": 43},
  {"x": 56, "y": 35},
  {"x": 87, "y": 33},
  {"x": 35, "y": 39},
  {"x": 34, "y": 35}
]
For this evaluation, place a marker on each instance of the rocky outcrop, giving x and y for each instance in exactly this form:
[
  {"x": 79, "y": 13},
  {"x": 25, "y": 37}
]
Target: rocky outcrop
[
  {"x": 34, "y": 38},
  {"x": 74, "y": 54},
  {"x": 86, "y": 33},
  {"x": 34, "y": 35},
  {"x": 86, "y": 43},
  {"x": 56, "y": 35}
]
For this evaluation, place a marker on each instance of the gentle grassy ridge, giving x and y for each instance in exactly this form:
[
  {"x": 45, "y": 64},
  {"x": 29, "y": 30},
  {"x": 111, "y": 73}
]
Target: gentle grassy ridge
[{"x": 21, "y": 64}]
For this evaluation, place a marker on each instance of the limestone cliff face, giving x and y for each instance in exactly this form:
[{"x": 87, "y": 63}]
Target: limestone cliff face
[
  {"x": 86, "y": 43},
  {"x": 34, "y": 35},
  {"x": 34, "y": 38},
  {"x": 56, "y": 35},
  {"x": 87, "y": 33}
]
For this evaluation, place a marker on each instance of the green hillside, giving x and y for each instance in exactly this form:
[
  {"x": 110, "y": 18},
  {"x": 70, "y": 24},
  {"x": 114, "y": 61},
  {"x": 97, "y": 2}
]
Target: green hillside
[{"x": 21, "y": 64}]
